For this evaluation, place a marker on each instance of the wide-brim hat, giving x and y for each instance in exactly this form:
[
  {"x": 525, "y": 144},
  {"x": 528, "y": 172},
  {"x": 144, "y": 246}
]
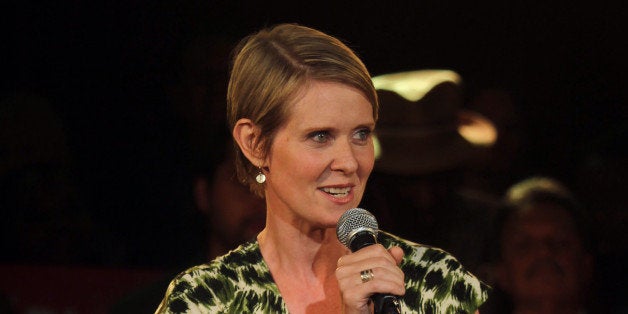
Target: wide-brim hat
[{"x": 422, "y": 127}]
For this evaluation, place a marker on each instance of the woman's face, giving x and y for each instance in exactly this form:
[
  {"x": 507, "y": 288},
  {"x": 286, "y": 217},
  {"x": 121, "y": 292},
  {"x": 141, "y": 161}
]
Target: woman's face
[{"x": 321, "y": 157}]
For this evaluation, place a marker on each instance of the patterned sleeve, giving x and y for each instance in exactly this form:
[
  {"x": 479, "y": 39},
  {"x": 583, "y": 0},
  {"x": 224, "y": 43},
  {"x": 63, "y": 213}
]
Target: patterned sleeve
[
  {"x": 238, "y": 282},
  {"x": 437, "y": 283},
  {"x": 192, "y": 292}
]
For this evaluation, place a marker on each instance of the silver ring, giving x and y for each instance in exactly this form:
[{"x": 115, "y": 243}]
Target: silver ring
[{"x": 367, "y": 275}]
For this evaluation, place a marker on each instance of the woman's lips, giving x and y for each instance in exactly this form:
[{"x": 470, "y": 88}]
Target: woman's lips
[{"x": 339, "y": 195}]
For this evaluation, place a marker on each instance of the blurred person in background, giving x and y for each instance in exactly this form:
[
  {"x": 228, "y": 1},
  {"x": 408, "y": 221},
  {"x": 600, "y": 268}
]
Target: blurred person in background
[
  {"x": 231, "y": 213},
  {"x": 226, "y": 212},
  {"x": 543, "y": 260},
  {"x": 601, "y": 185},
  {"x": 44, "y": 218}
]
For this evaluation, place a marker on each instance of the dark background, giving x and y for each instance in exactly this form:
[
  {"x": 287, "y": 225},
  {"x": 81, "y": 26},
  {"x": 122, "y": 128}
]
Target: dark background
[{"x": 128, "y": 83}]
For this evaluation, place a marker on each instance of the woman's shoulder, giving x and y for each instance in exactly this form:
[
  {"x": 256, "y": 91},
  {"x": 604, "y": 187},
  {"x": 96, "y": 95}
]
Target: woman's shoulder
[
  {"x": 429, "y": 270},
  {"x": 211, "y": 285},
  {"x": 228, "y": 267},
  {"x": 424, "y": 254}
]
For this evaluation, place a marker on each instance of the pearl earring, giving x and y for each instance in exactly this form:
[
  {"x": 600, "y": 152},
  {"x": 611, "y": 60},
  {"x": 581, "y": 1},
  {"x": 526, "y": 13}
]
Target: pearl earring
[{"x": 261, "y": 177}]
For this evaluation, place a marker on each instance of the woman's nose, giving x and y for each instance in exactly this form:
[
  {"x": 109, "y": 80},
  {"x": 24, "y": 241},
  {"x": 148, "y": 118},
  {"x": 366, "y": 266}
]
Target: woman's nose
[{"x": 344, "y": 158}]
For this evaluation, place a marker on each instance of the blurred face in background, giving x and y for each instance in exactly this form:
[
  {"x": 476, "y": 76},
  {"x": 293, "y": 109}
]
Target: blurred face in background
[
  {"x": 542, "y": 256},
  {"x": 235, "y": 214},
  {"x": 238, "y": 214}
]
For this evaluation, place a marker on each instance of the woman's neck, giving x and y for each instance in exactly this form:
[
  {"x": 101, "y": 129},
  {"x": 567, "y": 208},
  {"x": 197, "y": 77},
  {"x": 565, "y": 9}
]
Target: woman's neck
[
  {"x": 298, "y": 248},
  {"x": 303, "y": 265}
]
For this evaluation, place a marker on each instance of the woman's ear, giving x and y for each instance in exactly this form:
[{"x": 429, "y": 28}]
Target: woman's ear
[{"x": 246, "y": 135}]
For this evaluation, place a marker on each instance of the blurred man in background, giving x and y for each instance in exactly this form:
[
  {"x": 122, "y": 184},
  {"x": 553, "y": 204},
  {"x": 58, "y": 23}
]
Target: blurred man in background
[{"x": 544, "y": 263}]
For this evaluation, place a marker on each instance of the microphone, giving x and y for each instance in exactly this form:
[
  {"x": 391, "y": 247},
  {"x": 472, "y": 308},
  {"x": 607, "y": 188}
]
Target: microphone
[{"x": 357, "y": 228}]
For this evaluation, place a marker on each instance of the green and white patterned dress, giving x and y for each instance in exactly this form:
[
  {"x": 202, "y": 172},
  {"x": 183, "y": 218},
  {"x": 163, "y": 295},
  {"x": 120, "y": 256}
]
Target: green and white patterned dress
[{"x": 240, "y": 282}]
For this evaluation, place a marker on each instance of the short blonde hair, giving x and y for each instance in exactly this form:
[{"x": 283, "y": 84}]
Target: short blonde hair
[{"x": 271, "y": 66}]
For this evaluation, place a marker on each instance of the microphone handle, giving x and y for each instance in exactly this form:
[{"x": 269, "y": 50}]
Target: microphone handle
[{"x": 385, "y": 304}]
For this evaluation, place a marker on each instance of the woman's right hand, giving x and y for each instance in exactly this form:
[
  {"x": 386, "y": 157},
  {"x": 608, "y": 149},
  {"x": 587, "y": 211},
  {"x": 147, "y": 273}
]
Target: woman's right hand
[{"x": 387, "y": 276}]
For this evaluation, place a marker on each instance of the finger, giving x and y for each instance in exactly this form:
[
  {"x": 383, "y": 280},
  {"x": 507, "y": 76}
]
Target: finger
[
  {"x": 384, "y": 270},
  {"x": 349, "y": 273},
  {"x": 381, "y": 280},
  {"x": 356, "y": 291},
  {"x": 367, "y": 253},
  {"x": 370, "y": 258},
  {"x": 397, "y": 253},
  {"x": 382, "y": 265},
  {"x": 386, "y": 280}
]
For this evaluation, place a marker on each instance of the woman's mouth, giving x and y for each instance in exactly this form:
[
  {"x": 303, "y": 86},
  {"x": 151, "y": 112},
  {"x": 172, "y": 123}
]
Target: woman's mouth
[{"x": 337, "y": 192}]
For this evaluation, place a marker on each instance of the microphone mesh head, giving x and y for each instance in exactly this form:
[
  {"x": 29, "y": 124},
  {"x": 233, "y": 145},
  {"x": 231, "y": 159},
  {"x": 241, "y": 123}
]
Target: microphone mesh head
[{"x": 353, "y": 221}]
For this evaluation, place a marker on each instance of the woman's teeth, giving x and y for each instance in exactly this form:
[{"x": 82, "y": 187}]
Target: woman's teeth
[{"x": 337, "y": 192}]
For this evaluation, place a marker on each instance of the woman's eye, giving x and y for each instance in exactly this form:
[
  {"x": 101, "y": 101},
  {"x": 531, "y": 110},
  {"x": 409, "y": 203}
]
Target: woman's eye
[
  {"x": 320, "y": 136},
  {"x": 362, "y": 135}
]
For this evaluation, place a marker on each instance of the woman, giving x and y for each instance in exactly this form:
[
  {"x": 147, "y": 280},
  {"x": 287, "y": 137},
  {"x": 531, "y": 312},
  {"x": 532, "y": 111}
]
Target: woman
[{"x": 302, "y": 108}]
